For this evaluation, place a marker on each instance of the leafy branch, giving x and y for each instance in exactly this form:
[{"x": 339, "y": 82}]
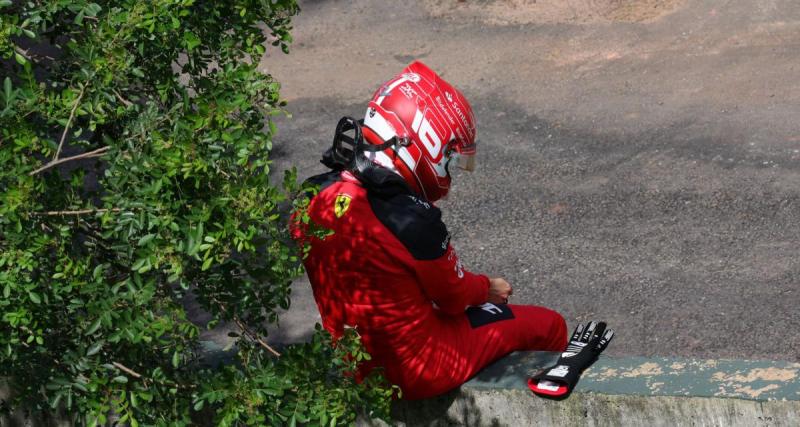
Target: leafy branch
[
  {"x": 255, "y": 336},
  {"x": 69, "y": 121},
  {"x": 56, "y": 161},
  {"x": 75, "y": 212}
]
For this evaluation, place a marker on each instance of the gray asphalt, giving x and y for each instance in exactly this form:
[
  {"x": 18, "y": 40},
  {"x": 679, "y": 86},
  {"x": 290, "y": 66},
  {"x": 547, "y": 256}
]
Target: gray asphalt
[{"x": 644, "y": 173}]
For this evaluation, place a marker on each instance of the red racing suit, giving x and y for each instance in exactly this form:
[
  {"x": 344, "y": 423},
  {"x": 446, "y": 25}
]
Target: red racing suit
[{"x": 388, "y": 270}]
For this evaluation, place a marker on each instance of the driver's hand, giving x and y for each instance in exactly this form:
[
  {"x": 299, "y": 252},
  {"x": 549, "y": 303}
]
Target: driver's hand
[{"x": 499, "y": 291}]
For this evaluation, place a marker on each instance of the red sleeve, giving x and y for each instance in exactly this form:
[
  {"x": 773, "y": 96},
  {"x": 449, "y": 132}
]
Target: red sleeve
[{"x": 446, "y": 282}]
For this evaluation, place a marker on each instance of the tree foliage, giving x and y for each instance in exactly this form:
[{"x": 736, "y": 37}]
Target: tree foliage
[{"x": 134, "y": 170}]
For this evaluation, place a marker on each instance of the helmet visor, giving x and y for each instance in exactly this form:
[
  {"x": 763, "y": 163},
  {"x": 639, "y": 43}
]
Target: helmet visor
[
  {"x": 461, "y": 161},
  {"x": 465, "y": 161}
]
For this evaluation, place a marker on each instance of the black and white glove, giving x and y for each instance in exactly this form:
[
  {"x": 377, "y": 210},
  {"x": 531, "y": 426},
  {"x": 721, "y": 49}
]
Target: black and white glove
[{"x": 586, "y": 344}]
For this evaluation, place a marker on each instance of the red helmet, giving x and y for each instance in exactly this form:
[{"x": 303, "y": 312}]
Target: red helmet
[{"x": 433, "y": 124}]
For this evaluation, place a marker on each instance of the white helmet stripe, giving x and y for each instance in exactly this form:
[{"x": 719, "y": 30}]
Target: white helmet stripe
[
  {"x": 385, "y": 90},
  {"x": 379, "y": 125},
  {"x": 407, "y": 158}
]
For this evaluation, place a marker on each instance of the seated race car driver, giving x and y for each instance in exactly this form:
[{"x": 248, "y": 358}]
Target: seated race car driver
[{"x": 388, "y": 268}]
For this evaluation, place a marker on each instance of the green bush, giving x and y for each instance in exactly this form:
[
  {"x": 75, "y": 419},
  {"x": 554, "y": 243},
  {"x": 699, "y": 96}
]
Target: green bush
[{"x": 134, "y": 171}]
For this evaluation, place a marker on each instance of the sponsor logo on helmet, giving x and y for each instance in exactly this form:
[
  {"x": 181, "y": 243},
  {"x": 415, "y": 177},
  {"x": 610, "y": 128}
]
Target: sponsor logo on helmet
[
  {"x": 444, "y": 109},
  {"x": 412, "y": 77},
  {"x": 457, "y": 108},
  {"x": 371, "y": 113},
  {"x": 461, "y": 115},
  {"x": 408, "y": 91},
  {"x": 341, "y": 205}
]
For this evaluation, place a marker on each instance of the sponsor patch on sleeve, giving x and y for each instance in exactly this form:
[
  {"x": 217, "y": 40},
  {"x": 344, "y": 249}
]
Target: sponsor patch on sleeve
[{"x": 488, "y": 313}]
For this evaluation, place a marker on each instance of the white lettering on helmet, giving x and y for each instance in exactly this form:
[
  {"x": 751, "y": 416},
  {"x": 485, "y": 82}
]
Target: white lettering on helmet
[
  {"x": 444, "y": 109},
  {"x": 455, "y": 107},
  {"x": 461, "y": 115},
  {"x": 408, "y": 91}
]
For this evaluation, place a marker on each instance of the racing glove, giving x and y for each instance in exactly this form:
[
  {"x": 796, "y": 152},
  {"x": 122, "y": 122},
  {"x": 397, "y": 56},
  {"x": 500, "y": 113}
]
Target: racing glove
[{"x": 586, "y": 344}]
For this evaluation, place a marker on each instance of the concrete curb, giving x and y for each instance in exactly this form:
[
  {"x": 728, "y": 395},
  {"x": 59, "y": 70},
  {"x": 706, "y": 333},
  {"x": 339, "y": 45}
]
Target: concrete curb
[
  {"x": 503, "y": 407},
  {"x": 620, "y": 392}
]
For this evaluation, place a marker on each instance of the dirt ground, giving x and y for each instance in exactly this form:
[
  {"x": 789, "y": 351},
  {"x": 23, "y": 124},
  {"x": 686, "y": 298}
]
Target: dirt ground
[
  {"x": 639, "y": 161},
  {"x": 510, "y": 12}
]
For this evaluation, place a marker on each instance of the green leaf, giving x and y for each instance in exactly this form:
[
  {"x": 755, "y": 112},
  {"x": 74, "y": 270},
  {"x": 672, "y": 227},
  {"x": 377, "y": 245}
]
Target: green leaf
[
  {"x": 122, "y": 379},
  {"x": 191, "y": 40},
  {"x": 7, "y": 89},
  {"x": 4, "y": 3},
  {"x": 92, "y": 9},
  {"x": 34, "y": 297},
  {"x": 94, "y": 348},
  {"x": 98, "y": 271},
  {"x": 94, "y": 326},
  {"x": 145, "y": 239},
  {"x": 176, "y": 359},
  {"x": 53, "y": 403}
]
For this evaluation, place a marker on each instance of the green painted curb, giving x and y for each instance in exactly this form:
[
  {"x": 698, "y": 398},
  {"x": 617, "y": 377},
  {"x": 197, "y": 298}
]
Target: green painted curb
[{"x": 640, "y": 376}]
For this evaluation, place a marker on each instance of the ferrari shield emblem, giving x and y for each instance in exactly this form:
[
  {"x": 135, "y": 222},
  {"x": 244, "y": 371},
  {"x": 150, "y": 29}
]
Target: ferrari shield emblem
[{"x": 341, "y": 205}]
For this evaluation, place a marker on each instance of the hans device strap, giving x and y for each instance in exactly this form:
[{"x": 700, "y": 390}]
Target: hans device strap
[{"x": 349, "y": 146}]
